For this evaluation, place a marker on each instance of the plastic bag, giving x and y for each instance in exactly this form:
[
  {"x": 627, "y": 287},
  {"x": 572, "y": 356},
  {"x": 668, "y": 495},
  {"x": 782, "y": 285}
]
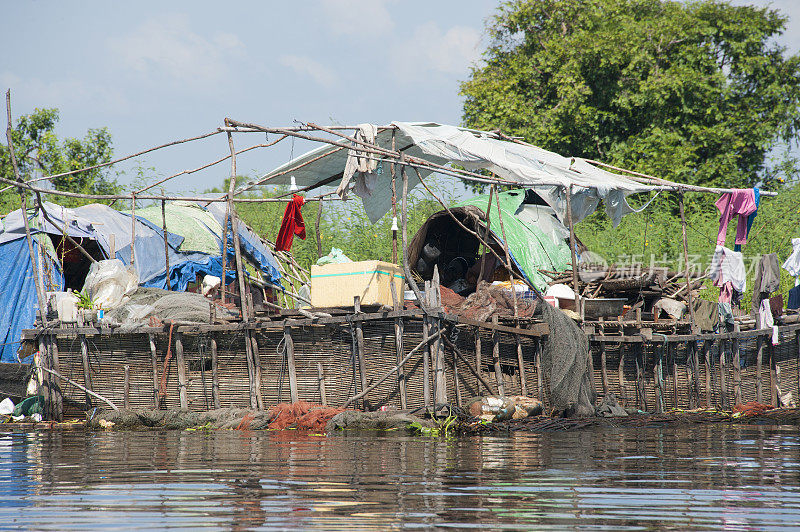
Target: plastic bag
[
  {"x": 109, "y": 282},
  {"x": 336, "y": 256}
]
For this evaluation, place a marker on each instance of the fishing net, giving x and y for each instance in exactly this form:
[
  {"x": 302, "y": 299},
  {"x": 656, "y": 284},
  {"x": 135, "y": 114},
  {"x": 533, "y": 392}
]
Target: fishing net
[
  {"x": 147, "y": 303},
  {"x": 568, "y": 364}
]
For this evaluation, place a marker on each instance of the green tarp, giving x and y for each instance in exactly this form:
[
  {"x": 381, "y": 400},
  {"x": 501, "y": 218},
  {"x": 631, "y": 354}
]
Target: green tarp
[
  {"x": 535, "y": 238},
  {"x": 198, "y": 227}
]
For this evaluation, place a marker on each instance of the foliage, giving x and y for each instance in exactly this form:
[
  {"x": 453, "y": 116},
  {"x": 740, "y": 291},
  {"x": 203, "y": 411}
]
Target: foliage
[
  {"x": 39, "y": 151},
  {"x": 696, "y": 92},
  {"x": 84, "y": 300}
]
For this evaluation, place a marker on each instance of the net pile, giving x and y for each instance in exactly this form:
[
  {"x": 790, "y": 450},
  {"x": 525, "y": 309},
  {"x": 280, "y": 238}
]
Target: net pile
[
  {"x": 163, "y": 305},
  {"x": 568, "y": 365}
]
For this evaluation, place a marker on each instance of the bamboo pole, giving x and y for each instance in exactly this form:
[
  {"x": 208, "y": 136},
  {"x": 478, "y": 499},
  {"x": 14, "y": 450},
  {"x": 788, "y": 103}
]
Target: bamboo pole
[
  {"x": 498, "y": 368},
  {"x": 52, "y": 348},
  {"x": 508, "y": 256},
  {"x": 478, "y": 357},
  {"x": 406, "y": 269},
  {"x": 83, "y": 388},
  {"x": 133, "y": 229},
  {"x": 672, "y": 357},
  {"x": 362, "y": 364},
  {"x": 621, "y": 371},
  {"x": 603, "y": 368},
  {"x": 394, "y": 202},
  {"x": 166, "y": 245},
  {"x": 399, "y": 327},
  {"x": 440, "y": 391},
  {"x": 323, "y": 397},
  {"x": 87, "y": 373},
  {"x": 773, "y": 376},
  {"x": 572, "y": 251},
  {"x": 737, "y": 369},
  {"x": 181, "y": 363},
  {"x": 659, "y": 379},
  {"x": 37, "y": 281},
  {"x": 759, "y": 359},
  {"x": 523, "y": 385},
  {"x": 257, "y": 374},
  {"x": 707, "y": 347},
  {"x": 723, "y": 388},
  {"x": 126, "y": 395},
  {"x": 214, "y": 373},
  {"x": 154, "y": 362},
  {"x": 539, "y": 377},
  {"x": 426, "y": 355},
  {"x": 686, "y": 264},
  {"x": 317, "y": 223},
  {"x": 289, "y": 345},
  {"x": 486, "y": 234}
]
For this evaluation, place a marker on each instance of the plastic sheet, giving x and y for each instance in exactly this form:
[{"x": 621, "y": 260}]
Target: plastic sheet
[{"x": 109, "y": 283}]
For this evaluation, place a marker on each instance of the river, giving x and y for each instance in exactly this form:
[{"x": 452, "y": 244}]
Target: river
[{"x": 702, "y": 477}]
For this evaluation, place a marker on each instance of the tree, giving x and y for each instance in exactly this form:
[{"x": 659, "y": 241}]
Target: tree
[
  {"x": 39, "y": 150},
  {"x": 696, "y": 92}
]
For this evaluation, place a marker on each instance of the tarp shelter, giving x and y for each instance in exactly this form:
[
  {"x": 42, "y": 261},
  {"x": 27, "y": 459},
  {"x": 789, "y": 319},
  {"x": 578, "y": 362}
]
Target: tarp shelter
[
  {"x": 550, "y": 174},
  {"x": 106, "y": 233},
  {"x": 536, "y": 238}
]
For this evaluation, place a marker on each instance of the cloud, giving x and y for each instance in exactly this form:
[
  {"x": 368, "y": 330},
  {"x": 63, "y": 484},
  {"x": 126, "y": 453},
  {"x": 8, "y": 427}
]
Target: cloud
[
  {"x": 63, "y": 92},
  {"x": 167, "y": 47},
  {"x": 429, "y": 49},
  {"x": 307, "y": 66},
  {"x": 357, "y": 17}
]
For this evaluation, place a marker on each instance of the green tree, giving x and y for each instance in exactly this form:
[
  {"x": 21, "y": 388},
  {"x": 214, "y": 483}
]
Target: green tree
[
  {"x": 696, "y": 92},
  {"x": 39, "y": 151}
]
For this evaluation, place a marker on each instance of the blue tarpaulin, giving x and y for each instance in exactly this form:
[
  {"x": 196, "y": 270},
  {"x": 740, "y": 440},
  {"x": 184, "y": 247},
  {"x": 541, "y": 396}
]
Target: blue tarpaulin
[{"x": 18, "y": 301}]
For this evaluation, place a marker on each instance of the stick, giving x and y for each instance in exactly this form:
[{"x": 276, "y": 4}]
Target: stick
[
  {"x": 166, "y": 245},
  {"x": 181, "y": 363},
  {"x": 316, "y": 230},
  {"x": 83, "y": 388},
  {"x": 472, "y": 370},
  {"x": 572, "y": 251},
  {"x": 214, "y": 373},
  {"x": 321, "y": 380},
  {"x": 40, "y": 295},
  {"x": 289, "y": 343},
  {"x": 391, "y": 371},
  {"x": 686, "y": 263},
  {"x": 508, "y": 255},
  {"x": 394, "y": 203},
  {"x": 486, "y": 234}
]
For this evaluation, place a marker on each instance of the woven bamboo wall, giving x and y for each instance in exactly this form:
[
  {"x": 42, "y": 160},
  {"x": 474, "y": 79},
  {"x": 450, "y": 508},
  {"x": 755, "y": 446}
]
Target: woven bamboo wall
[{"x": 333, "y": 346}]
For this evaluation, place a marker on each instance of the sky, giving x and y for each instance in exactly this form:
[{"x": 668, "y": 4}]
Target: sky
[{"x": 153, "y": 72}]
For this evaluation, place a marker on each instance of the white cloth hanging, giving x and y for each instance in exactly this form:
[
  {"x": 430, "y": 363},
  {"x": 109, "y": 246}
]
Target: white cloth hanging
[{"x": 728, "y": 265}]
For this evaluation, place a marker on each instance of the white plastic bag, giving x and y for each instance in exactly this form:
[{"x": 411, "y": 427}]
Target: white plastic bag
[
  {"x": 109, "y": 283},
  {"x": 6, "y": 406}
]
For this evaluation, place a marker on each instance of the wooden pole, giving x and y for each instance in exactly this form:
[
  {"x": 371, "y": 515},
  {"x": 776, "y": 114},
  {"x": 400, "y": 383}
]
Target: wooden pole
[
  {"x": 523, "y": 385},
  {"x": 689, "y": 295},
  {"x": 181, "y": 363},
  {"x": 126, "y": 396},
  {"x": 759, "y": 360},
  {"x": 323, "y": 397},
  {"x": 406, "y": 269},
  {"x": 83, "y": 388},
  {"x": 154, "y": 362},
  {"x": 486, "y": 235},
  {"x": 509, "y": 267},
  {"x": 37, "y": 281},
  {"x": 225, "y": 251},
  {"x": 659, "y": 378},
  {"x": 498, "y": 369},
  {"x": 289, "y": 343},
  {"x": 723, "y": 387},
  {"x": 737, "y": 368},
  {"x": 257, "y": 366},
  {"x": 166, "y": 244},
  {"x": 621, "y": 371},
  {"x": 691, "y": 358},
  {"x": 603, "y": 368},
  {"x": 572, "y": 251},
  {"x": 362, "y": 364},
  {"x": 215, "y": 373},
  {"x": 316, "y": 229},
  {"x": 394, "y": 202},
  {"x": 478, "y": 356},
  {"x": 52, "y": 348},
  {"x": 642, "y": 396},
  {"x": 87, "y": 373},
  {"x": 426, "y": 356},
  {"x": 440, "y": 395},
  {"x": 539, "y": 377},
  {"x": 797, "y": 345},
  {"x": 773, "y": 375},
  {"x": 673, "y": 358},
  {"x": 133, "y": 229},
  {"x": 399, "y": 326},
  {"x": 707, "y": 347}
]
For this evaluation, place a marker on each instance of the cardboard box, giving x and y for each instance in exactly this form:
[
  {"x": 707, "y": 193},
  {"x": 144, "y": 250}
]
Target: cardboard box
[{"x": 335, "y": 285}]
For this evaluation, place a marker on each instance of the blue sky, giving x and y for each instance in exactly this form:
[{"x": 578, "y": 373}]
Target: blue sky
[{"x": 153, "y": 72}]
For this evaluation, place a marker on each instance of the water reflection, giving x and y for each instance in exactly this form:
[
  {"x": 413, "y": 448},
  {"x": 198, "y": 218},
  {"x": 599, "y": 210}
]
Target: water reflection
[{"x": 700, "y": 477}]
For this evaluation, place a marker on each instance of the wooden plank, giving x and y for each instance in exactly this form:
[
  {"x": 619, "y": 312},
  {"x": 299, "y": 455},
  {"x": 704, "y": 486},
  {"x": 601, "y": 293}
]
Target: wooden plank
[
  {"x": 214, "y": 373},
  {"x": 181, "y": 363},
  {"x": 523, "y": 385},
  {"x": 87, "y": 373},
  {"x": 154, "y": 363},
  {"x": 498, "y": 369},
  {"x": 288, "y": 343},
  {"x": 534, "y": 329}
]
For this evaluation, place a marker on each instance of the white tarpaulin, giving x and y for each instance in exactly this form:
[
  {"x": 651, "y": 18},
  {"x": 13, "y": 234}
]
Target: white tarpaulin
[{"x": 549, "y": 173}]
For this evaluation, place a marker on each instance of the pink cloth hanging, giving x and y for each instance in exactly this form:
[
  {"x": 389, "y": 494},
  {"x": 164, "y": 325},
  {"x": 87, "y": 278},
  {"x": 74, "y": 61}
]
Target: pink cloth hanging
[{"x": 741, "y": 201}]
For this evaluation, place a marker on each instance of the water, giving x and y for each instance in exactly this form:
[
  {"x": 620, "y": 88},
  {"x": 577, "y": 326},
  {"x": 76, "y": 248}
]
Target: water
[{"x": 705, "y": 477}]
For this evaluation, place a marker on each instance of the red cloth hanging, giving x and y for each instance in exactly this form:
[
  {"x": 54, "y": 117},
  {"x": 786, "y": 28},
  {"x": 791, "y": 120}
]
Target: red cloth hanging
[{"x": 292, "y": 224}]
